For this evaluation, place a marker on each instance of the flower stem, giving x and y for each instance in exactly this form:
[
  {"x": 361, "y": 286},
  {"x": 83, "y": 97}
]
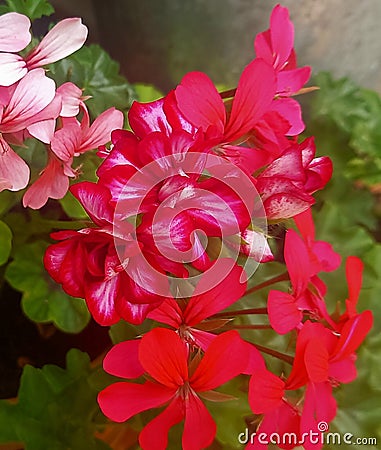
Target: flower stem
[
  {"x": 242, "y": 312},
  {"x": 282, "y": 277},
  {"x": 286, "y": 358}
]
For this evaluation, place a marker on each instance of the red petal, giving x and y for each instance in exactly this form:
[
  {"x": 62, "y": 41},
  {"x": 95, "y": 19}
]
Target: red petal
[
  {"x": 168, "y": 312},
  {"x": 256, "y": 361},
  {"x": 123, "y": 361},
  {"x": 199, "y": 426},
  {"x": 122, "y": 400},
  {"x": 316, "y": 360},
  {"x": 353, "y": 270},
  {"x": 265, "y": 391},
  {"x": 95, "y": 199},
  {"x": 154, "y": 435},
  {"x": 290, "y": 110},
  {"x": 218, "y": 288},
  {"x": 291, "y": 81},
  {"x": 100, "y": 298},
  {"x": 200, "y": 102},
  {"x": 283, "y": 311},
  {"x": 255, "y": 92},
  {"x": 298, "y": 262},
  {"x": 225, "y": 358},
  {"x": 164, "y": 356},
  {"x": 353, "y": 333}
]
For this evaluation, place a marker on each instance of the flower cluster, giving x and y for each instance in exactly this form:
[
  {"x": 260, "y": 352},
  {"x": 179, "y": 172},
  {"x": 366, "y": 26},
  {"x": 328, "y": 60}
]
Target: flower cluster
[
  {"x": 32, "y": 107},
  {"x": 183, "y": 198}
]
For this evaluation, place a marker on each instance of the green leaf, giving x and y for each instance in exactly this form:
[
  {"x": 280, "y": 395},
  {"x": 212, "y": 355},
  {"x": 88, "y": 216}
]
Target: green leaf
[
  {"x": 34, "y": 9},
  {"x": 94, "y": 71},
  {"x": 56, "y": 408},
  {"x": 5, "y": 242},
  {"x": 43, "y": 300},
  {"x": 147, "y": 92},
  {"x": 72, "y": 207}
]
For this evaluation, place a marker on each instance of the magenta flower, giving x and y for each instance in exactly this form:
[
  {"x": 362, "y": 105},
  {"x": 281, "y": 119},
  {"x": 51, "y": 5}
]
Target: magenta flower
[
  {"x": 88, "y": 265},
  {"x": 276, "y": 47},
  {"x": 164, "y": 358}
]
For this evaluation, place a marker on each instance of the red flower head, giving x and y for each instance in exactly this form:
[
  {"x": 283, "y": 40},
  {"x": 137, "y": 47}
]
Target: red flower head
[{"x": 164, "y": 358}]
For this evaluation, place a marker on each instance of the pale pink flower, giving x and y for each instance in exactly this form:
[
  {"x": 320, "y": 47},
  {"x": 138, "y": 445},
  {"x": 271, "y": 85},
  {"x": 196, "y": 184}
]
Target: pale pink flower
[{"x": 62, "y": 40}]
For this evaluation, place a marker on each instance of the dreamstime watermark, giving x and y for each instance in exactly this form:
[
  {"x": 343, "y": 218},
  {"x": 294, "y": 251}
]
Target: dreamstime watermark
[
  {"x": 322, "y": 436},
  {"x": 187, "y": 188}
]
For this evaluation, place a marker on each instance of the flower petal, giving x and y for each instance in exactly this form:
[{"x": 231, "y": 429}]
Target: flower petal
[
  {"x": 62, "y": 40},
  {"x": 52, "y": 183},
  {"x": 14, "y": 32},
  {"x": 266, "y": 391},
  {"x": 122, "y": 400},
  {"x": 123, "y": 361},
  {"x": 255, "y": 92},
  {"x": 213, "y": 294},
  {"x": 199, "y": 427},
  {"x": 154, "y": 435},
  {"x": 225, "y": 358},
  {"x": 200, "y": 102},
  {"x": 284, "y": 314},
  {"x": 164, "y": 356},
  {"x": 14, "y": 171},
  {"x": 13, "y": 68}
]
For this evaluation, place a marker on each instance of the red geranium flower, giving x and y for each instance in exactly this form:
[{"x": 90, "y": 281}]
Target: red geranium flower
[{"x": 164, "y": 357}]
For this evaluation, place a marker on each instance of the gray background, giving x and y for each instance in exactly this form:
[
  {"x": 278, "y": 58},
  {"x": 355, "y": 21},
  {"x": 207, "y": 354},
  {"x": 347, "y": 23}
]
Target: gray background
[{"x": 158, "y": 41}]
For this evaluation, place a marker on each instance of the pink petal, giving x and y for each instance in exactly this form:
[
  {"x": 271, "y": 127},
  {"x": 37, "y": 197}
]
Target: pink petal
[
  {"x": 255, "y": 92},
  {"x": 13, "y": 68},
  {"x": 123, "y": 361},
  {"x": 282, "y": 35},
  {"x": 43, "y": 131},
  {"x": 225, "y": 358},
  {"x": 33, "y": 93},
  {"x": 164, "y": 356},
  {"x": 52, "y": 183},
  {"x": 200, "y": 102},
  {"x": 197, "y": 417},
  {"x": 265, "y": 391},
  {"x": 63, "y": 39},
  {"x": 122, "y": 400},
  {"x": 284, "y": 314},
  {"x": 217, "y": 289},
  {"x": 99, "y": 132},
  {"x": 329, "y": 260},
  {"x": 202, "y": 339},
  {"x": 290, "y": 109},
  {"x": 291, "y": 81},
  {"x": 154, "y": 435},
  {"x": 14, "y": 171},
  {"x": 66, "y": 141},
  {"x": 14, "y": 32},
  {"x": 343, "y": 371},
  {"x": 71, "y": 99}
]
